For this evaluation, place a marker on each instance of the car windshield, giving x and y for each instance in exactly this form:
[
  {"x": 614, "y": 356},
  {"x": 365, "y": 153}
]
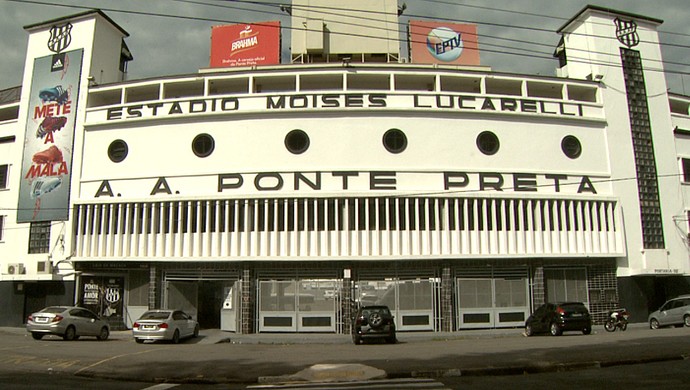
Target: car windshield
[{"x": 155, "y": 315}]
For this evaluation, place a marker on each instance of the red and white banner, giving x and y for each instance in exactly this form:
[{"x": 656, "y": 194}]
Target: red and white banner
[{"x": 245, "y": 45}]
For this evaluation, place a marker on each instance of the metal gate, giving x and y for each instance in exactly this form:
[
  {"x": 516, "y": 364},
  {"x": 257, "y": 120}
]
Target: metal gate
[
  {"x": 411, "y": 300},
  {"x": 304, "y": 305},
  {"x": 492, "y": 297}
]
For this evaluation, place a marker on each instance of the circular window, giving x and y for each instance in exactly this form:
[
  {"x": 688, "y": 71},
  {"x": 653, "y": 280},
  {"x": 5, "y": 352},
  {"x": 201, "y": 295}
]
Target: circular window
[
  {"x": 117, "y": 151},
  {"x": 297, "y": 141},
  {"x": 203, "y": 145},
  {"x": 394, "y": 140},
  {"x": 487, "y": 142},
  {"x": 571, "y": 146}
]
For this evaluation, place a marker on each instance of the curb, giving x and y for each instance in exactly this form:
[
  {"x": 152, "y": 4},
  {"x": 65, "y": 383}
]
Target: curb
[{"x": 538, "y": 368}]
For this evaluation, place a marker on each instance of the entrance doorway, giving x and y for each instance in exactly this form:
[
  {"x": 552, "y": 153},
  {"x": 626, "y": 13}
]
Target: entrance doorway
[{"x": 211, "y": 302}]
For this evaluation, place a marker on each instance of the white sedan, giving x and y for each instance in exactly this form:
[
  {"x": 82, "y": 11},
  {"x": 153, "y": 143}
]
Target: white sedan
[{"x": 167, "y": 325}]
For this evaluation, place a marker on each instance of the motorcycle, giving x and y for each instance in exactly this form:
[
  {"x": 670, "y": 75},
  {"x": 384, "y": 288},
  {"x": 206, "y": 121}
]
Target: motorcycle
[{"x": 617, "y": 319}]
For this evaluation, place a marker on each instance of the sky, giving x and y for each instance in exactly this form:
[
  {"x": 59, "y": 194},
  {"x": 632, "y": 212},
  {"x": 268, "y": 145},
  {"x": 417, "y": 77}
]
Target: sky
[{"x": 172, "y": 37}]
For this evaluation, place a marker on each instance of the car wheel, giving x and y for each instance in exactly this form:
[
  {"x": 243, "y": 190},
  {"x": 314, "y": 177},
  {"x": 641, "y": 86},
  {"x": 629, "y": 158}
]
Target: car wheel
[
  {"x": 37, "y": 336},
  {"x": 529, "y": 331},
  {"x": 196, "y": 331},
  {"x": 653, "y": 323},
  {"x": 686, "y": 320},
  {"x": 70, "y": 333},
  {"x": 176, "y": 337},
  {"x": 104, "y": 334},
  {"x": 139, "y": 341},
  {"x": 555, "y": 330},
  {"x": 587, "y": 330}
]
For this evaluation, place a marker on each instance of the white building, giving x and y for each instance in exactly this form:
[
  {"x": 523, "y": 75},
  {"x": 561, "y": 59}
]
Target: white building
[{"x": 272, "y": 198}]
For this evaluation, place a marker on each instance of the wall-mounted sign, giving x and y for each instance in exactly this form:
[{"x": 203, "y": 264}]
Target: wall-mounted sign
[
  {"x": 245, "y": 45},
  {"x": 626, "y": 32},
  {"x": 49, "y": 137},
  {"x": 443, "y": 43},
  {"x": 341, "y": 101}
]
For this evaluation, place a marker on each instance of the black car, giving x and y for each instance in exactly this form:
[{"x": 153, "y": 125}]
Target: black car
[
  {"x": 373, "y": 322},
  {"x": 555, "y": 318}
]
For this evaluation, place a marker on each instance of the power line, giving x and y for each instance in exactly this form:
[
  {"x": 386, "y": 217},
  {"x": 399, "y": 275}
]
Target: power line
[{"x": 532, "y": 54}]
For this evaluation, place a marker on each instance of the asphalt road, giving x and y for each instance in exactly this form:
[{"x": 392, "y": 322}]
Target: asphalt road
[{"x": 251, "y": 359}]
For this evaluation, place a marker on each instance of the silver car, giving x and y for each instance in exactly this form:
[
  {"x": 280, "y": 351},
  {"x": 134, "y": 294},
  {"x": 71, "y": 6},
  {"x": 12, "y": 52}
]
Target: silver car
[
  {"x": 70, "y": 322},
  {"x": 674, "y": 312},
  {"x": 168, "y": 325}
]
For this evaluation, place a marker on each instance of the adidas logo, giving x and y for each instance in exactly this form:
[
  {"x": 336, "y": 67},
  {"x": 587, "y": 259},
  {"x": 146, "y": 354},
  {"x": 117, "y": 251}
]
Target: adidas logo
[{"x": 57, "y": 64}]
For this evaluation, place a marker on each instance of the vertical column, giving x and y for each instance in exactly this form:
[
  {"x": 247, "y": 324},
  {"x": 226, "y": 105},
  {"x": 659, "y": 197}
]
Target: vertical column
[
  {"x": 346, "y": 301},
  {"x": 446, "y": 299},
  {"x": 153, "y": 282},
  {"x": 247, "y": 303},
  {"x": 538, "y": 290}
]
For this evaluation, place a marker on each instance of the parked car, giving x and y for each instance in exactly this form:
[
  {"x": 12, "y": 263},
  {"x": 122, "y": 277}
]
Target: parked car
[
  {"x": 373, "y": 322},
  {"x": 555, "y": 318},
  {"x": 69, "y": 322},
  {"x": 165, "y": 325},
  {"x": 675, "y": 311}
]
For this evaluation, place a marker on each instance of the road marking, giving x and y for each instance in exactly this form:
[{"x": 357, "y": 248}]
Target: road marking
[
  {"x": 11, "y": 348},
  {"x": 402, "y": 383},
  {"x": 116, "y": 357},
  {"x": 161, "y": 386}
]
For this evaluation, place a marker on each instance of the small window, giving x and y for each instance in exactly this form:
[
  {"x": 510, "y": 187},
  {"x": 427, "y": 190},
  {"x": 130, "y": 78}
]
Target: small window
[
  {"x": 395, "y": 141},
  {"x": 3, "y": 176},
  {"x": 203, "y": 145},
  {"x": 39, "y": 237},
  {"x": 117, "y": 151},
  {"x": 297, "y": 141},
  {"x": 2, "y": 227},
  {"x": 571, "y": 146},
  {"x": 487, "y": 142},
  {"x": 686, "y": 170}
]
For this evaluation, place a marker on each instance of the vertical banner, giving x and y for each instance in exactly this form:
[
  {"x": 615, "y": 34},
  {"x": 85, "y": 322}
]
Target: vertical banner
[{"x": 49, "y": 138}]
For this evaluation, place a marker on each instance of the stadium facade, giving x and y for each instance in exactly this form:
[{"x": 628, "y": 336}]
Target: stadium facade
[{"x": 276, "y": 197}]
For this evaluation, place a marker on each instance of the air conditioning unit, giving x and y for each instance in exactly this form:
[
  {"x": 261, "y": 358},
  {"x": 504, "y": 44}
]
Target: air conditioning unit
[
  {"x": 16, "y": 269},
  {"x": 44, "y": 267}
]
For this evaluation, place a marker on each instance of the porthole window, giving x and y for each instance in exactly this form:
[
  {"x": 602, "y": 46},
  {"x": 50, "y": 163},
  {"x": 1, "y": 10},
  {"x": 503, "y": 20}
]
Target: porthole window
[
  {"x": 297, "y": 141},
  {"x": 117, "y": 151},
  {"x": 487, "y": 142},
  {"x": 395, "y": 141},
  {"x": 203, "y": 145},
  {"x": 571, "y": 146}
]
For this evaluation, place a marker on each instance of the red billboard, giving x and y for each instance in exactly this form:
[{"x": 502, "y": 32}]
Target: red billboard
[
  {"x": 443, "y": 43},
  {"x": 245, "y": 44}
]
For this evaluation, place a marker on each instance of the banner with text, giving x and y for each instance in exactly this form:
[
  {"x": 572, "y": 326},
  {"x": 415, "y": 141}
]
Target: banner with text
[{"x": 49, "y": 138}]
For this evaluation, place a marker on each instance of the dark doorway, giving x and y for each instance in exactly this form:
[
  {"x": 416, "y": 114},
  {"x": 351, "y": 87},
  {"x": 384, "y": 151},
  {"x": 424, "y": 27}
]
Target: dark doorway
[{"x": 210, "y": 302}]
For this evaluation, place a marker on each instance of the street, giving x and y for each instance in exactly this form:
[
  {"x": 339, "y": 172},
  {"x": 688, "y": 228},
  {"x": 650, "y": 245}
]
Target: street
[{"x": 457, "y": 360}]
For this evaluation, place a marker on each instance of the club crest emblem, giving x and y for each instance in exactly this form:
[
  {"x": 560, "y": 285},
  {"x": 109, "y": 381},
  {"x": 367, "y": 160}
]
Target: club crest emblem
[
  {"x": 60, "y": 37},
  {"x": 626, "y": 32}
]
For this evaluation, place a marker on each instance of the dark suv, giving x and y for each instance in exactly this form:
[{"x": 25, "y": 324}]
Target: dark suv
[
  {"x": 373, "y": 322},
  {"x": 556, "y": 318}
]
